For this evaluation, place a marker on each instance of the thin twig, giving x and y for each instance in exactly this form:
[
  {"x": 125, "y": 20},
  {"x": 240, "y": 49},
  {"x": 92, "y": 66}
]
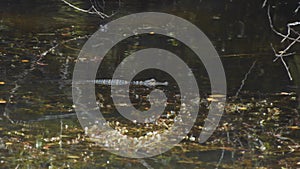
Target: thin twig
[
  {"x": 42, "y": 55},
  {"x": 6, "y": 111},
  {"x": 221, "y": 157},
  {"x": 289, "y": 25},
  {"x": 275, "y": 31},
  {"x": 33, "y": 65},
  {"x": 92, "y": 10},
  {"x": 264, "y": 4},
  {"x": 60, "y": 134},
  {"x": 297, "y": 9},
  {"x": 245, "y": 78},
  {"x": 145, "y": 164},
  {"x": 281, "y": 55}
]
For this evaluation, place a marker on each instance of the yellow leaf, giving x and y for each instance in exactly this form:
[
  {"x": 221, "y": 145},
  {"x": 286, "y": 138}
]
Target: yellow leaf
[
  {"x": 8, "y": 143},
  {"x": 294, "y": 127},
  {"x": 2, "y": 101},
  {"x": 24, "y": 61}
]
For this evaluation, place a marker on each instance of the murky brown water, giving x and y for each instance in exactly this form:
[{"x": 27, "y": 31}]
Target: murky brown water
[{"x": 260, "y": 128}]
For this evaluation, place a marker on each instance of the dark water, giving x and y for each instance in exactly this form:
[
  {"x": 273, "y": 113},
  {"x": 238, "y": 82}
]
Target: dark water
[{"x": 259, "y": 129}]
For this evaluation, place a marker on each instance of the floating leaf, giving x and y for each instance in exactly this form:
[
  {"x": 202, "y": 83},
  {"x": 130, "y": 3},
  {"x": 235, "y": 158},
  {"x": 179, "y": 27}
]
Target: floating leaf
[
  {"x": 242, "y": 108},
  {"x": 8, "y": 143},
  {"x": 24, "y": 61},
  {"x": 73, "y": 156},
  {"x": 217, "y": 96},
  {"x": 2, "y": 101},
  {"x": 293, "y": 127},
  {"x": 212, "y": 99}
]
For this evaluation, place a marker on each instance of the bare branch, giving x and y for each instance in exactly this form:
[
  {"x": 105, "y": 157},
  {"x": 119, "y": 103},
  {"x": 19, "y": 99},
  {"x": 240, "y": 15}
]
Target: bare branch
[
  {"x": 289, "y": 25},
  {"x": 245, "y": 78},
  {"x": 77, "y": 8},
  {"x": 92, "y": 10},
  {"x": 275, "y": 31},
  {"x": 290, "y": 33},
  {"x": 281, "y": 55},
  {"x": 264, "y": 4},
  {"x": 42, "y": 55},
  {"x": 297, "y": 9}
]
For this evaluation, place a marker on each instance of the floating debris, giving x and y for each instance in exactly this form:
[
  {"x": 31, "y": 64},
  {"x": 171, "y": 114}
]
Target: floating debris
[
  {"x": 293, "y": 127},
  {"x": 216, "y": 17},
  {"x": 25, "y": 61},
  {"x": 73, "y": 157},
  {"x": 8, "y": 143},
  {"x": 2, "y": 101},
  {"x": 285, "y": 93},
  {"x": 242, "y": 108},
  {"x": 217, "y": 96}
]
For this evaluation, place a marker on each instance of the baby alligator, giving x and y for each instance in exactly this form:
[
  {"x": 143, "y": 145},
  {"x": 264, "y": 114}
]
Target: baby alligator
[{"x": 117, "y": 82}]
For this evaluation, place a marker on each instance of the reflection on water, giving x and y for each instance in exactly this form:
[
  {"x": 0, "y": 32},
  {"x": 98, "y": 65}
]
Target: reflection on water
[{"x": 35, "y": 86}]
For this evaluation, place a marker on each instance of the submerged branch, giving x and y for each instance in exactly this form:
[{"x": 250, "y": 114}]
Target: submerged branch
[{"x": 245, "y": 78}]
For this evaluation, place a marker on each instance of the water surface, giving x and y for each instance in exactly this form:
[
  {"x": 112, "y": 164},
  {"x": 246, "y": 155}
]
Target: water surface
[{"x": 260, "y": 128}]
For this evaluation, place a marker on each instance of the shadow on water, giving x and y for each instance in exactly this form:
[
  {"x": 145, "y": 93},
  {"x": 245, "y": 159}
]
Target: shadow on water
[{"x": 260, "y": 128}]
